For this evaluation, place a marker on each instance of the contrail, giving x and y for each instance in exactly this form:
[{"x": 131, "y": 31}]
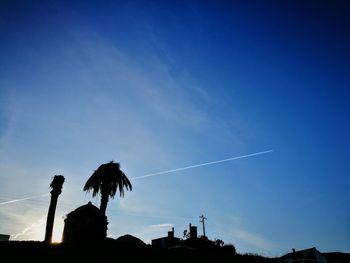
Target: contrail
[
  {"x": 22, "y": 199},
  {"x": 199, "y": 165},
  {"x": 158, "y": 173}
]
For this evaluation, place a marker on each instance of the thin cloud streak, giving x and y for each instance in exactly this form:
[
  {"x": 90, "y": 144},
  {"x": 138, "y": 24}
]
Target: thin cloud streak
[
  {"x": 164, "y": 225},
  {"x": 201, "y": 164},
  {"x": 34, "y": 226},
  {"x": 159, "y": 173},
  {"x": 254, "y": 239},
  {"x": 22, "y": 199}
]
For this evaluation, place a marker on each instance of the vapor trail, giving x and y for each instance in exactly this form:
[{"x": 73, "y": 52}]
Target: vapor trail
[
  {"x": 158, "y": 173},
  {"x": 22, "y": 199},
  {"x": 199, "y": 165}
]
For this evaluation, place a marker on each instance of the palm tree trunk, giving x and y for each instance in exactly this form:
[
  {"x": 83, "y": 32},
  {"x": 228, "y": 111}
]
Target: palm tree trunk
[
  {"x": 56, "y": 186},
  {"x": 50, "y": 218},
  {"x": 104, "y": 202}
]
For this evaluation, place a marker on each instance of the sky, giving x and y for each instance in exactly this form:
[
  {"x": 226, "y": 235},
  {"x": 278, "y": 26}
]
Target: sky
[{"x": 162, "y": 85}]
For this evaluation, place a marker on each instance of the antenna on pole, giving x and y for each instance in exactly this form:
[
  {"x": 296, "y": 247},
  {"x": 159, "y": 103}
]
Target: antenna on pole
[{"x": 202, "y": 219}]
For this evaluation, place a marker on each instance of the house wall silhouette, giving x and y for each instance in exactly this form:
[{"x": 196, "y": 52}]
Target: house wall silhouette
[
  {"x": 311, "y": 255},
  {"x": 168, "y": 241},
  {"x": 85, "y": 224},
  {"x": 4, "y": 237}
]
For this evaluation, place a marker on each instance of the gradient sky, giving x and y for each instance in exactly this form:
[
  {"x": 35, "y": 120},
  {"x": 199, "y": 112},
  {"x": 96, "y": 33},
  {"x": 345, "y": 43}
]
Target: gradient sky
[{"x": 158, "y": 86}]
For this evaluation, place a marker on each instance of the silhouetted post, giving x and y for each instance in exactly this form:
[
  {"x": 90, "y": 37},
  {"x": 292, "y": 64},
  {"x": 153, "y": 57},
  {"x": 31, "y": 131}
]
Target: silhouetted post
[
  {"x": 202, "y": 217},
  {"x": 56, "y": 186}
]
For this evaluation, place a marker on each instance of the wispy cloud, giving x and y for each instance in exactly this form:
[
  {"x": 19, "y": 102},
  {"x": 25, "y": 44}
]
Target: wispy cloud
[
  {"x": 23, "y": 221},
  {"x": 164, "y": 225},
  {"x": 231, "y": 229},
  {"x": 22, "y": 199},
  {"x": 135, "y": 105},
  {"x": 94, "y": 103},
  {"x": 31, "y": 230},
  {"x": 253, "y": 239}
]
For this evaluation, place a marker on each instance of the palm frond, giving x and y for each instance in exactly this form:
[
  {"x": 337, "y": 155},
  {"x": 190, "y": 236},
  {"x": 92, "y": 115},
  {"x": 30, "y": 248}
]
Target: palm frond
[
  {"x": 57, "y": 181},
  {"x": 108, "y": 179},
  {"x": 93, "y": 183}
]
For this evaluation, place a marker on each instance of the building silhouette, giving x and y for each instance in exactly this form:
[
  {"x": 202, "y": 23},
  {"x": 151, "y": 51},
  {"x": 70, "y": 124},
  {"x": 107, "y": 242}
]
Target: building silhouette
[
  {"x": 129, "y": 241},
  {"x": 166, "y": 242},
  {"x": 193, "y": 231},
  {"x": 4, "y": 237},
  {"x": 311, "y": 255},
  {"x": 85, "y": 224}
]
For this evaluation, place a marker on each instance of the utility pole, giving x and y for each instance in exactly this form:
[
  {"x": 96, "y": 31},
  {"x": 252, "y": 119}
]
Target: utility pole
[{"x": 203, "y": 218}]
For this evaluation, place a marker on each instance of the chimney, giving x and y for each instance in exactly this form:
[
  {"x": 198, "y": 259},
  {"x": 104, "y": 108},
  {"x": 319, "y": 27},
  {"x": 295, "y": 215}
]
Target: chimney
[
  {"x": 193, "y": 231},
  {"x": 171, "y": 233},
  {"x": 293, "y": 250}
]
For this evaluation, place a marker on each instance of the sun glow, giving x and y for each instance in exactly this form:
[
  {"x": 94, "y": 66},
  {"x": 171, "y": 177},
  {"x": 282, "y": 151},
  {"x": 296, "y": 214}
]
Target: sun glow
[
  {"x": 36, "y": 231},
  {"x": 57, "y": 231}
]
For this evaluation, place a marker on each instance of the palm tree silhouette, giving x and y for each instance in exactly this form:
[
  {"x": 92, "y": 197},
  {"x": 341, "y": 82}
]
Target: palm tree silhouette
[
  {"x": 106, "y": 180},
  {"x": 56, "y": 186}
]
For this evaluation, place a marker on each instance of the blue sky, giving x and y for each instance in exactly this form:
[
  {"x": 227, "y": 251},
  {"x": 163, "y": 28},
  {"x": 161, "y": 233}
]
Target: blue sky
[{"x": 159, "y": 86}]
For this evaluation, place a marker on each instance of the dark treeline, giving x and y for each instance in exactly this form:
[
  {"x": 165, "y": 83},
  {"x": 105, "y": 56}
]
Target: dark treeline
[
  {"x": 32, "y": 251},
  {"x": 113, "y": 252}
]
